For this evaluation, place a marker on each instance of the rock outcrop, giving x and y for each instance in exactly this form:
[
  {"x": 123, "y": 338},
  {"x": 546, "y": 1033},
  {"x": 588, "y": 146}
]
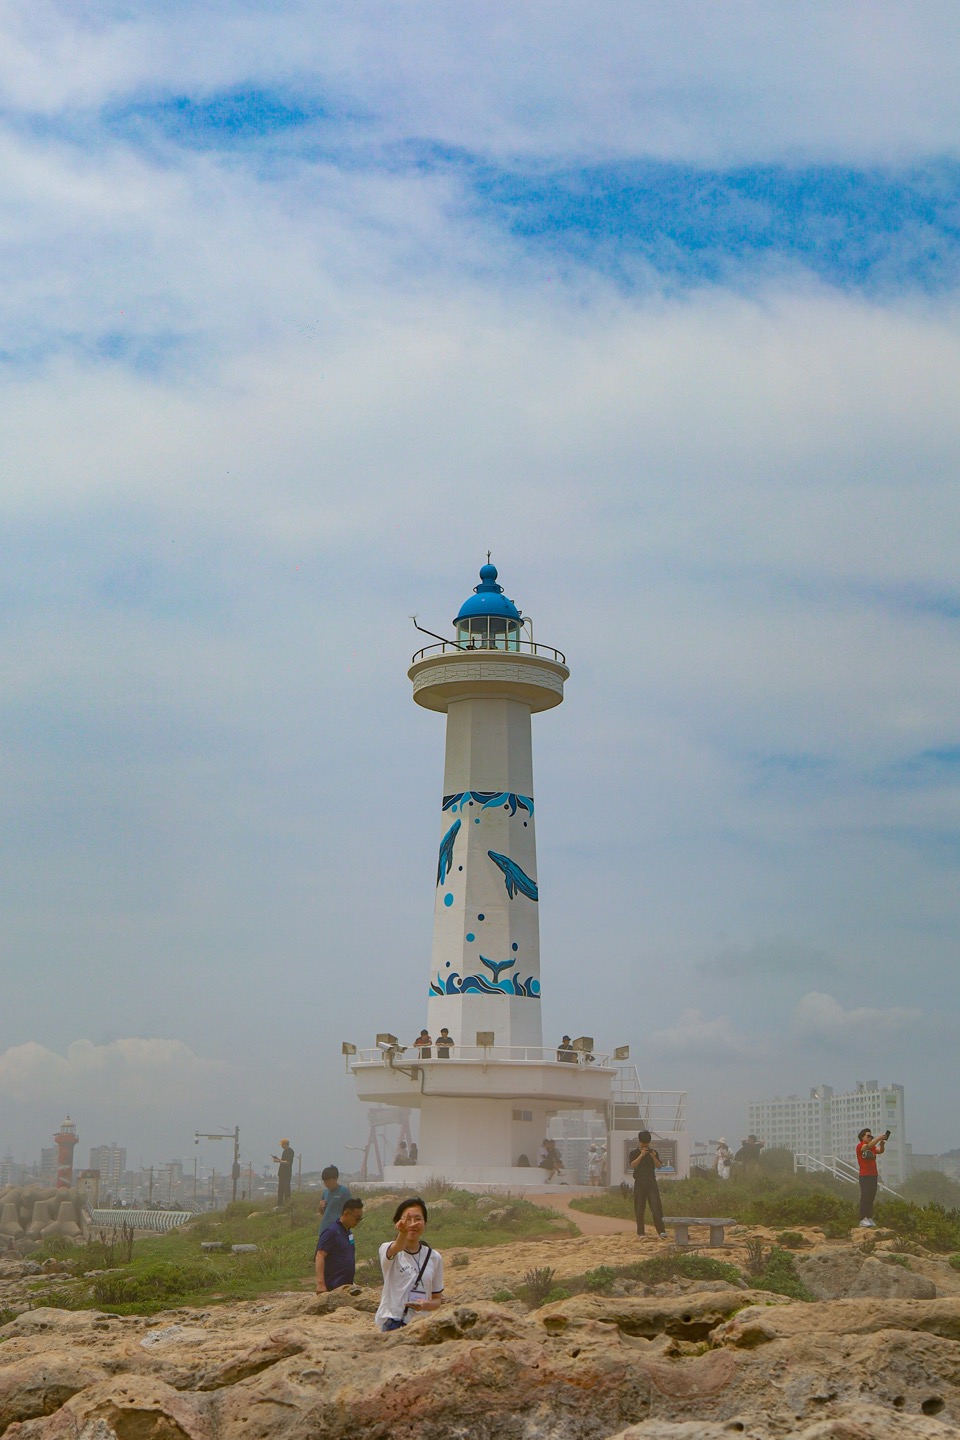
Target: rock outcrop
[{"x": 690, "y": 1366}]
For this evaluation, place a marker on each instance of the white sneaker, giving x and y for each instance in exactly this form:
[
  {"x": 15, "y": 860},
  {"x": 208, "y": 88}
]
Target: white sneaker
[{"x": 868, "y": 1225}]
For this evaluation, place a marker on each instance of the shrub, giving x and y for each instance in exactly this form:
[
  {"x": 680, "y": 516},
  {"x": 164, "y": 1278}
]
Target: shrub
[
  {"x": 557, "y": 1293},
  {"x": 791, "y": 1240},
  {"x": 780, "y": 1276},
  {"x": 756, "y": 1260},
  {"x": 687, "y": 1267},
  {"x": 501, "y": 1296},
  {"x": 460, "y": 1259},
  {"x": 538, "y": 1284},
  {"x": 931, "y": 1225},
  {"x": 600, "y": 1279},
  {"x": 954, "y": 1260}
]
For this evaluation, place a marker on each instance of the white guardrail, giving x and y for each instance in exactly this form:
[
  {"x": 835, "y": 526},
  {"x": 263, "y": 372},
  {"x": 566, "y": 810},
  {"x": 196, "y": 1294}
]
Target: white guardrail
[
  {"x": 161, "y": 1220},
  {"x": 515, "y": 1054}
]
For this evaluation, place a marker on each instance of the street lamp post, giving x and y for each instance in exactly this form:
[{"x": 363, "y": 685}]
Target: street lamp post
[{"x": 233, "y": 1135}]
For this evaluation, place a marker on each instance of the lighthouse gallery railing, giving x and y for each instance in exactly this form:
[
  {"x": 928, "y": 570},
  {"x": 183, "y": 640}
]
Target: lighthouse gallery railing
[{"x": 500, "y": 646}]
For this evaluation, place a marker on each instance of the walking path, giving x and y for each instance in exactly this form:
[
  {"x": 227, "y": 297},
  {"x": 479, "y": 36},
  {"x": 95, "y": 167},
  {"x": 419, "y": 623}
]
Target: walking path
[{"x": 589, "y": 1224}]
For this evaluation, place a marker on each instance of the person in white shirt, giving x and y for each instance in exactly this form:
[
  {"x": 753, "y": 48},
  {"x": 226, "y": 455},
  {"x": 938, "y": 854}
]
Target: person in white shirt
[{"x": 412, "y": 1270}]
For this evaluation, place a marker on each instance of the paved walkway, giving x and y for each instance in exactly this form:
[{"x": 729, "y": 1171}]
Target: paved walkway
[{"x": 559, "y": 1200}]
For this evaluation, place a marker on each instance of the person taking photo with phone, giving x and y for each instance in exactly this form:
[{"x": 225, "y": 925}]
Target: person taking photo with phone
[{"x": 867, "y": 1151}]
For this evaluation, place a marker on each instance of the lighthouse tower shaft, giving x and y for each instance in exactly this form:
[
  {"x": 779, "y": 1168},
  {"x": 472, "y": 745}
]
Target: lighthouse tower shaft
[{"x": 485, "y": 964}]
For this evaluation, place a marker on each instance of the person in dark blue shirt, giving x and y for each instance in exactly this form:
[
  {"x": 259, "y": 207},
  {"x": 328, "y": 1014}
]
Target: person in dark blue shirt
[{"x": 336, "y": 1258}]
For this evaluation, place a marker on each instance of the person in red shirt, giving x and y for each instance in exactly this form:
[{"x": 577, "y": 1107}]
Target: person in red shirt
[{"x": 867, "y": 1151}]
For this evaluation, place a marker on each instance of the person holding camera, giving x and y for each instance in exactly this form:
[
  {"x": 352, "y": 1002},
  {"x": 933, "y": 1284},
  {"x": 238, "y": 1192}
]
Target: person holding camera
[
  {"x": 867, "y": 1151},
  {"x": 645, "y": 1162}
]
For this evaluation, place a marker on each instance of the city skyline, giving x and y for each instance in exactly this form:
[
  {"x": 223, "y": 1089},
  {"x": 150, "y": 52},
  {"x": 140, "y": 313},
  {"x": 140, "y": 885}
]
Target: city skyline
[{"x": 307, "y": 310}]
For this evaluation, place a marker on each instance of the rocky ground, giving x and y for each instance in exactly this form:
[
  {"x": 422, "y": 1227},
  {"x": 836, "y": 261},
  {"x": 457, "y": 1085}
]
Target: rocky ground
[{"x": 877, "y": 1356}]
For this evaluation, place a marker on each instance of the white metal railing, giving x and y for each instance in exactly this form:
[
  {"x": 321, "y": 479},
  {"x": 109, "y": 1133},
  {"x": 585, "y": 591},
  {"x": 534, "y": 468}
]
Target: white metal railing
[
  {"x": 498, "y": 645},
  {"x": 839, "y": 1169},
  {"x": 162, "y": 1220},
  {"x": 663, "y": 1111},
  {"x": 494, "y": 1054}
]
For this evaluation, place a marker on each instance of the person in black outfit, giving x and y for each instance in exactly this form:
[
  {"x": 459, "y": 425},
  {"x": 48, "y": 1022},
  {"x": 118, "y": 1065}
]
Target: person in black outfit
[
  {"x": 284, "y": 1164},
  {"x": 645, "y": 1162}
]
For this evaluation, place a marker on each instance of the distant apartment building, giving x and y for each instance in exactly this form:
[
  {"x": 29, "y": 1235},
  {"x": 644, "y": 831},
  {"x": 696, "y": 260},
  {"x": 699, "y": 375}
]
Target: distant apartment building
[
  {"x": 824, "y": 1124},
  {"x": 111, "y": 1161},
  {"x": 48, "y": 1165},
  {"x": 8, "y": 1171}
]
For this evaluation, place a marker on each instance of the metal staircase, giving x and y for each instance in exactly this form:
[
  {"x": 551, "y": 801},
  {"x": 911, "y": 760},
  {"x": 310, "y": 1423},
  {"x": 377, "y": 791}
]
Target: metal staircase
[{"x": 839, "y": 1169}]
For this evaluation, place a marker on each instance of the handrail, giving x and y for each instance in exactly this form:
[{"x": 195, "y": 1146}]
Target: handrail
[
  {"x": 840, "y": 1170},
  {"x": 515, "y": 1054},
  {"x": 516, "y": 647}
]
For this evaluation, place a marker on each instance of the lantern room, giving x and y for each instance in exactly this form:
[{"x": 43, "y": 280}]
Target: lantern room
[{"x": 488, "y": 620}]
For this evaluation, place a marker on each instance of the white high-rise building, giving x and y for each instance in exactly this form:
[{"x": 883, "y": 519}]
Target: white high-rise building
[
  {"x": 824, "y": 1124},
  {"x": 111, "y": 1161}
]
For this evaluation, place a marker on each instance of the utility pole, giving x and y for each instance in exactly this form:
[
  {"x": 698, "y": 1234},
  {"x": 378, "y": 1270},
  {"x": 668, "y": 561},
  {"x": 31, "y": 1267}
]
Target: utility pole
[{"x": 233, "y": 1135}]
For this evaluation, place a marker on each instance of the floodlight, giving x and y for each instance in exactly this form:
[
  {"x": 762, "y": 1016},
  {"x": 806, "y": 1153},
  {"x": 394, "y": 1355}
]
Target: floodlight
[
  {"x": 584, "y": 1042},
  {"x": 485, "y": 1038},
  {"x": 385, "y": 1040},
  {"x": 347, "y": 1049},
  {"x": 622, "y": 1052}
]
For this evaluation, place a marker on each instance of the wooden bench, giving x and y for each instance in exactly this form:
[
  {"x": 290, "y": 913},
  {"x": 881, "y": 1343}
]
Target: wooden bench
[{"x": 681, "y": 1227}]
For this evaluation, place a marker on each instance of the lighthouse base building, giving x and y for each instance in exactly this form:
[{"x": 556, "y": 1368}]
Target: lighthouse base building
[{"x": 486, "y": 1087}]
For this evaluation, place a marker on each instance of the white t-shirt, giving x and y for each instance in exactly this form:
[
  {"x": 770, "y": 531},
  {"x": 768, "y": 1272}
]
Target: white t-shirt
[{"x": 399, "y": 1275}]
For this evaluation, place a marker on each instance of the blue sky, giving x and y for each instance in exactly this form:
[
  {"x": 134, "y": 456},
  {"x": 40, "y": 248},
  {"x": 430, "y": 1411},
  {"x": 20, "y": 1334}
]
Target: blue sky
[{"x": 305, "y": 308}]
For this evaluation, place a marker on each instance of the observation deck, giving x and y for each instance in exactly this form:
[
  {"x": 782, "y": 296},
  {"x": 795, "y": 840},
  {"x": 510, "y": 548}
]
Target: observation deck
[
  {"x": 495, "y": 1072},
  {"x": 488, "y": 666}
]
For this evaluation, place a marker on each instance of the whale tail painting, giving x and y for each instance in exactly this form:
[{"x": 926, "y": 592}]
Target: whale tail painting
[
  {"x": 497, "y": 966},
  {"x": 514, "y": 878},
  {"x": 445, "y": 862}
]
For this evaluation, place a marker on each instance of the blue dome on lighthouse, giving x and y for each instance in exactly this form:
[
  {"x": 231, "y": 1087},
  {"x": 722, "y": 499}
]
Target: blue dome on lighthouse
[{"x": 488, "y": 599}]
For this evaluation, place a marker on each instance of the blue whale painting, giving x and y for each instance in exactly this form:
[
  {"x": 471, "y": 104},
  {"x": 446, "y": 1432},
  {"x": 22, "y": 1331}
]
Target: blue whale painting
[
  {"x": 514, "y": 878},
  {"x": 497, "y": 966},
  {"x": 445, "y": 862}
]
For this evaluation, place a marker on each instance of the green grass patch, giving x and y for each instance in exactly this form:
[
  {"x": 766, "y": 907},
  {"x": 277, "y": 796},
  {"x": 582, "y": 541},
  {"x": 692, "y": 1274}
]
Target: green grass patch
[
  {"x": 679, "y": 1266},
  {"x": 172, "y": 1270},
  {"x": 753, "y": 1198}
]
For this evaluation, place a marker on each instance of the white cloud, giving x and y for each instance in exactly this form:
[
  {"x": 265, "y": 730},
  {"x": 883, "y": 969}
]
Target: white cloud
[
  {"x": 673, "y": 78},
  {"x": 137, "y": 1072},
  {"x": 818, "y": 1016},
  {"x": 700, "y": 1040}
]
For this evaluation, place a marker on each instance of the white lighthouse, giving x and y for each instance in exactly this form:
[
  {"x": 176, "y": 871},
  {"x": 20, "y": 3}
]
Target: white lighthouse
[{"x": 485, "y": 1099}]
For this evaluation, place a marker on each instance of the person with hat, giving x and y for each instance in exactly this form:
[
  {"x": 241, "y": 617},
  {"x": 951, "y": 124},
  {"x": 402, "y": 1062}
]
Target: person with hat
[
  {"x": 724, "y": 1158},
  {"x": 284, "y": 1163}
]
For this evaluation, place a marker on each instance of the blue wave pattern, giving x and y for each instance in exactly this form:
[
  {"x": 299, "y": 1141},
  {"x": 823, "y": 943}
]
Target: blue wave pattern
[
  {"x": 487, "y": 798},
  {"x": 515, "y": 879},
  {"x": 445, "y": 861},
  {"x": 480, "y": 985}
]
